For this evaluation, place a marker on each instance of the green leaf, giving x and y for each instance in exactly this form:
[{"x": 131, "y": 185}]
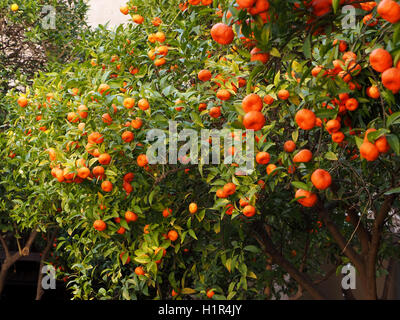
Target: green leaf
[
  {"x": 331, "y": 156},
  {"x": 391, "y": 191},
  {"x": 252, "y": 248},
  {"x": 300, "y": 185},
  {"x": 394, "y": 143},
  {"x": 188, "y": 291},
  {"x": 393, "y": 119},
  {"x": 307, "y": 47}
]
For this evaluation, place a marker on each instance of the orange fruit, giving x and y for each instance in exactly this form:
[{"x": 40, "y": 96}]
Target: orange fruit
[
  {"x": 263, "y": 157},
  {"x": 338, "y": 137},
  {"x": 104, "y": 158},
  {"x": 142, "y": 160},
  {"x": 309, "y": 200},
  {"x": 389, "y": 10},
  {"x": 83, "y": 172},
  {"x": 254, "y": 120},
  {"x": 382, "y": 144},
  {"x": 193, "y": 208},
  {"x": 172, "y": 235},
  {"x": 166, "y": 212},
  {"x": 244, "y": 4},
  {"x": 249, "y": 211},
  {"x": 143, "y": 104},
  {"x": 229, "y": 188},
  {"x": 283, "y": 94},
  {"x": 268, "y": 99},
  {"x": 333, "y": 126},
  {"x": 160, "y": 36},
  {"x": 223, "y": 94},
  {"x": 321, "y": 179},
  {"x": 210, "y": 294},
  {"x": 98, "y": 172},
  {"x": 369, "y": 151},
  {"x": 373, "y": 92},
  {"x": 99, "y": 225},
  {"x": 221, "y": 194},
  {"x": 159, "y": 62},
  {"x": 257, "y": 54},
  {"x": 130, "y": 216},
  {"x": 106, "y": 118},
  {"x": 103, "y": 88},
  {"x": 215, "y": 112},
  {"x": 305, "y": 119},
  {"x": 127, "y": 136},
  {"x": 204, "y": 75},
  {"x": 106, "y": 186},
  {"x": 136, "y": 123},
  {"x": 72, "y": 117},
  {"x": 124, "y": 10},
  {"x": 139, "y": 271},
  {"x": 222, "y": 33},
  {"x": 82, "y": 111},
  {"x": 351, "y": 104},
  {"x": 316, "y": 71},
  {"x": 289, "y": 146},
  {"x": 380, "y": 60},
  {"x": 271, "y": 167},
  {"x": 243, "y": 202},
  {"x": 137, "y": 18},
  {"x": 252, "y": 102},
  {"x": 303, "y": 155},
  {"x": 95, "y": 137},
  {"x": 391, "y": 79},
  {"x": 129, "y": 103}
]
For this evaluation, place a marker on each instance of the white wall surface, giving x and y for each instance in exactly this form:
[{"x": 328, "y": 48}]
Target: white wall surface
[{"x": 102, "y": 11}]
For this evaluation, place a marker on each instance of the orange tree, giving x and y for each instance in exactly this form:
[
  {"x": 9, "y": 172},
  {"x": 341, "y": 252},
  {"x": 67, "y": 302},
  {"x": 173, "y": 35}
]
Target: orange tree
[
  {"x": 28, "y": 43},
  {"x": 305, "y": 75}
]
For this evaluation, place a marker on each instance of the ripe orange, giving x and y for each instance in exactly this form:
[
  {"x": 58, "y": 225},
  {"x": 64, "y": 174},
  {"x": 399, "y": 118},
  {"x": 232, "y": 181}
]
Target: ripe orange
[
  {"x": 104, "y": 158},
  {"x": 98, "y": 172},
  {"x": 338, "y": 137},
  {"x": 252, "y": 102},
  {"x": 95, "y": 137},
  {"x": 204, "y": 75},
  {"x": 254, "y": 120},
  {"x": 373, "y": 92},
  {"x": 333, "y": 126},
  {"x": 127, "y": 136},
  {"x": 130, "y": 216},
  {"x": 310, "y": 198},
  {"x": 223, "y": 94},
  {"x": 124, "y": 10},
  {"x": 160, "y": 36},
  {"x": 142, "y": 160},
  {"x": 143, "y": 104},
  {"x": 229, "y": 188},
  {"x": 139, "y": 271},
  {"x": 263, "y": 157},
  {"x": 380, "y": 60},
  {"x": 82, "y": 111},
  {"x": 351, "y": 104},
  {"x": 215, "y": 112},
  {"x": 289, "y": 146},
  {"x": 305, "y": 119},
  {"x": 382, "y": 144},
  {"x": 210, "y": 294},
  {"x": 369, "y": 151},
  {"x": 103, "y": 88},
  {"x": 221, "y": 194},
  {"x": 315, "y": 71},
  {"x": 283, "y": 94},
  {"x": 106, "y": 186},
  {"x": 389, "y": 10},
  {"x": 166, "y": 212},
  {"x": 136, "y": 123},
  {"x": 271, "y": 167},
  {"x": 172, "y": 235},
  {"x": 72, "y": 117},
  {"x": 193, "y": 208},
  {"x": 391, "y": 79},
  {"x": 129, "y": 103},
  {"x": 249, "y": 211},
  {"x": 257, "y": 54},
  {"x": 83, "y": 172},
  {"x": 106, "y": 118},
  {"x": 321, "y": 179},
  {"x": 137, "y": 18},
  {"x": 303, "y": 155},
  {"x": 121, "y": 230},
  {"x": 99, "y": 225},
  {"x": 222, "y": 33},
  {"x": 160, "y": 62},
  {"x": 268, "y": 99},
  {"x": 244, "y": 4}
]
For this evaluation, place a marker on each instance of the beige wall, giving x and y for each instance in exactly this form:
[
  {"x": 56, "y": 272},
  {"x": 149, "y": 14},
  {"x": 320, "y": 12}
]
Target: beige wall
[{"x": 102, "y": 11}]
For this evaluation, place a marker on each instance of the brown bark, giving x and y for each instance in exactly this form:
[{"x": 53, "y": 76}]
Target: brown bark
[
  {"x": 261, "y": 235},
  {"x": 11, "y": 259}
]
